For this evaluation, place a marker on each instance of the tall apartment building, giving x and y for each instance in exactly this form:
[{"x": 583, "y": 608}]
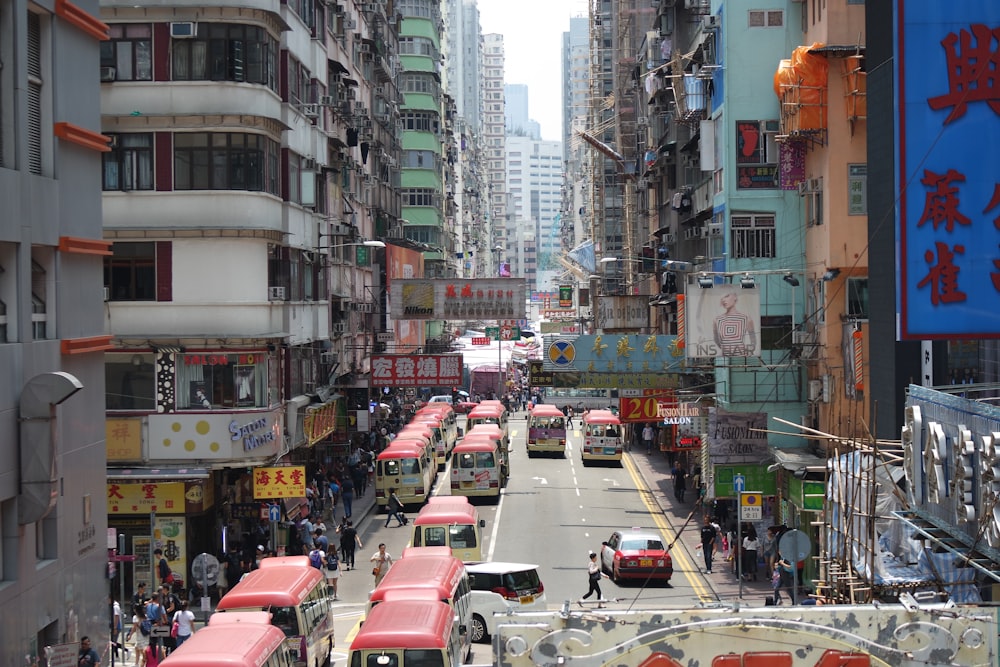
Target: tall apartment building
[
  {"x": 463, "y": 51},
  {"x": 575, "y": 77},
  {"x": 242, "y": 196},
  {"x": 575, "y": 222},
  {"x": 534, "y": 183},
  {"x": 493, "y": 138},
  {"x": 517, "y": 121},
  {"x": 52, "y": 332}
]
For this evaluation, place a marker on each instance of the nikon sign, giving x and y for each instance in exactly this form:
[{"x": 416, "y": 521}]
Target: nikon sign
[
  {"x": 621, "y": 312},
  {"x": 457, "y": 299}
]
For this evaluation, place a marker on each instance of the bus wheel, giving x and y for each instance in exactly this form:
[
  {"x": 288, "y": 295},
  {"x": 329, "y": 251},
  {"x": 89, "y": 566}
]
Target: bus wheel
[{"x": 478, "y": 630}]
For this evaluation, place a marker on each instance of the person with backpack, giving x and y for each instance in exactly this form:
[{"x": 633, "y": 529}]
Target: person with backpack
[
  {"x": 317, "y": 557},
  {"x": 349, "y": 539},
  {"x": 332, "y": 572},
  {"x": 141, "y": 627},
  {"x": 184, "y": 621}
]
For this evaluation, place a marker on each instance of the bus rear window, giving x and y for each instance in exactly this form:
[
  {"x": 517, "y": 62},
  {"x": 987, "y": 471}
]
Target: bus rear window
[
  {"x": 462, "y": 537},
  {"x": 421, "y": 658},
  {"x": 285, "y": 619}
]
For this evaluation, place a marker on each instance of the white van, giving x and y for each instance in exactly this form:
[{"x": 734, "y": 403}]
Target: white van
[
  {"x": 499, "y": 587},
  {"x": 442, "y": 398}
]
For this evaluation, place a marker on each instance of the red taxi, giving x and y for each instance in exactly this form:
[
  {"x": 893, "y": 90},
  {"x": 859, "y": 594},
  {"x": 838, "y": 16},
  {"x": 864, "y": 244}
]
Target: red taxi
[{"x": 636, "y": 555}]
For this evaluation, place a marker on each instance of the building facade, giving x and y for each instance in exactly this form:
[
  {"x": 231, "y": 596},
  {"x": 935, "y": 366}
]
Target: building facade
[
  {"x": 53, "y": 557},
  {"x": 493, "y": 137}
]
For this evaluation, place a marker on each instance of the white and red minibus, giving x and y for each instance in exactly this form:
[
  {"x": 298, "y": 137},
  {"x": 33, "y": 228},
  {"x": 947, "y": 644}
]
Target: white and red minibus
[
  {"x": 451, "y": 524},
  {"x": 546, "y": 430},
  {"x": 602, "y": 437},
  {"x": 408, "y": 633},
  {"x": 244, "y": 640},
  {"x": 294, "y": 593}
]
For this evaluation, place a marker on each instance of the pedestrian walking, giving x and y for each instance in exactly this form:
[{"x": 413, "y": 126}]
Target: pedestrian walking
[
  {"x": 332, "y": 573},
  {"x": 394, "y": 507},
  {"x": 184, "y": 620},
  {"x": 381, "y": 562},
  {"x": 750, "y": 547},
  {"x": 347, "y": 495},
  {"x": 785, "y": 572},
  {"x": 87, "y": 657},
  {"x": 141, "y": 627},
  {"x": 680, "y": 482},
  {"x": 349, "y": 539},
  {"x": 647, "y": 437},
  {"x": 708, "y": 535},
  {"x": 594, "y": 575},
  {"x": 776, "y": 586}
]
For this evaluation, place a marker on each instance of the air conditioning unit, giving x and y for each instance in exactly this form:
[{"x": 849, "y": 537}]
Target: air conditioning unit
[
  {"x": 710, "y": 22},
  {"x": 183, "y": 29},
  {"x": 816, "y": 184},
  {"x": 366, "y": 47},
  {"x": 339, "y": 327},
  {"x": 705, "y": 232},
  {"x": 275, "y": 293},
  {"x": 328, "y": 100},
  {"x": 804, "y": 187},
  {"x": 349, "y": 23},
  {"x": 337, "y": 229},
  {"x": 107, "y": 294},
  {"x": 108, "y": 74},
  {"x": 670, "y": 238},
  {"x": 715, "y": 228},
  {"x": 308, "y": 164},
  {"x": 366, "y": 123},
  {"x": 815, "y": 390},
  {"x": 329, "y": 357},
  {"x": 310, "y": 110}
]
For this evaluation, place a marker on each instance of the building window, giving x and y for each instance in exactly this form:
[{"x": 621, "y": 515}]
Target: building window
[
  {"x": 226, "y": 52},
  {"x": 219, "y": 380},
  {"x": 419, "y": 82},
  {"x": 417, "y": 46},
  {"x": 424, "y": 9},
  {"x": 223, "y": 161},
  {"x": 756, "y": 154},
  {"x": 129, "y": 52},
  {"x": 129, "y": 163},
  {"x": 753, "y": 236},
  {"x": 421, "y": 160},
  {"x": 421, "y": 121},
  {"x": 306, "y": 10},
  {"x": 39, "y": 300},
  {"x": 6, "y": 81},
  {"x": 857, "y": 298},
  {"x": 765, "y": 18},
  {"x": 420, "y": 197},
  {"x": 130, "y": 381},
  {"x": 130, "y": 272},
  {"x": 38, "y": 64}
]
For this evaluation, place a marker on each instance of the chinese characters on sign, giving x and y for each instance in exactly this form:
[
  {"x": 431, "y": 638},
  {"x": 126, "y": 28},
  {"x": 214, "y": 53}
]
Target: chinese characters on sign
[
  {"x": 949, "y": 213},
  {"x": 416, "y": 370},
  {"x": 279, "y": 482},
  {"x": 452, "y": 299},
  {"x": 146, "y": 497}
]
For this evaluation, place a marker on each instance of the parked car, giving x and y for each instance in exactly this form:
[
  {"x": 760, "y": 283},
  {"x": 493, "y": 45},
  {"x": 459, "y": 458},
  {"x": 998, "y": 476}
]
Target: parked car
[
  {"x": 632, "y": 554},
  {"x": 497, "y": 587}
]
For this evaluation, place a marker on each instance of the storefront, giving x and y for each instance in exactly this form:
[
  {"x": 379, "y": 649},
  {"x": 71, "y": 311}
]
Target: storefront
[{"x": 801, "y": 483}]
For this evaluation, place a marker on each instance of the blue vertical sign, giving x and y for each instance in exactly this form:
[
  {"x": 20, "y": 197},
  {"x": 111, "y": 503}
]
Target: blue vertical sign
[
  {"x": 948, "y": 177},
  {"x": 739, "y": 483}
]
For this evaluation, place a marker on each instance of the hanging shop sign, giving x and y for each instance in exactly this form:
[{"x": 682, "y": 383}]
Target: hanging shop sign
[
  {"x": 450, "y": 299},
  {"x": 621, "y": 312},
  {"x": 226, "y": 435},
  {"x": 416, "y": 370},
  {"x": 323, "y": 420},
  {"x": 279, "y": 482},
  {"x": 737, "y": 437}
]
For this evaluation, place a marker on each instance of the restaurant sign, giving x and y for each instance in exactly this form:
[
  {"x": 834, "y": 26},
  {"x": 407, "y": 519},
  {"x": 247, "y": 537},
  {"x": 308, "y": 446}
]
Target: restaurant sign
[{"x": 416, "y": 370}]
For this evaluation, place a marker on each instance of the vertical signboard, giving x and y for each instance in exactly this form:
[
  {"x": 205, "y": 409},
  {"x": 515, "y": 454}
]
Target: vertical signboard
[
  {"x": 948, "y": 180},
  {"x": 722, "y": 321}
]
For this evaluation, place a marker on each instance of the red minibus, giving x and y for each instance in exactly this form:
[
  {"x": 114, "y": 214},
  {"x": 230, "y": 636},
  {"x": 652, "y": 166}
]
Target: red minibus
[
  {"x": 243, "y": 640},
  {"x": 408, "y": 633}
]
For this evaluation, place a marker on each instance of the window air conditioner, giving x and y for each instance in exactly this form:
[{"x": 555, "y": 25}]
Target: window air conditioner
[
  {"x": 339, "y": 328},
  {"x": 328, "y": 100},
  {"x": 308, "y": 164},
  {"x": 182, "y": 29},
  {"x": 310, "y": 110},
  {"x": 366, "y": 47},
  {"x": 329, "y": 357},
  {"x": 804, "y": 186},
  {"x": 710, "y": 22},
  {"x": 349, "y": 23},
  {"x": 107, "y": 294},
  {"x": 669, "y": 238},
  {"x": 108, "y": 74},
  {"x": 816, "y": 184},
  {"x": 704, "y": 232},
  {"x": 275, "y": 293},
  {"x": 715, "y": 228},
  {"x": 815, "y": 390}
]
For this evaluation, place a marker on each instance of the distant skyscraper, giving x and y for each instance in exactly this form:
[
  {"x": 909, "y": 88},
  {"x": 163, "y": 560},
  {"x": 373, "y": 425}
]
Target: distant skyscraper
[
  {"x": 575, "y": 76},
  {"x": 465, "y": 59},
  {"x": 534, "y": 181},
  {"x": 493, "y": 132},
  {"x": 517, "y": 121}
]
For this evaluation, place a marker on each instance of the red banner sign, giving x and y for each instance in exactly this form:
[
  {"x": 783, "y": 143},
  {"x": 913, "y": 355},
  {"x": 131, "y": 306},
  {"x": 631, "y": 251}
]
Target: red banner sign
[
  {"x": 639, "y": 409},
  {"x": 485, "y": 340},
  {"x": 416, "y": 370}
]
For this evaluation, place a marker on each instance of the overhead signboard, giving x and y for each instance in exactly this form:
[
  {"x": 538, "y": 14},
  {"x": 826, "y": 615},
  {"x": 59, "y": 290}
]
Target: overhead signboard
[
  {"x": 457, "y": 299},
  {"x": 279, "y": 482},
  {"x": 416, "y": 370},
  {"x": 633, "y": 380},
  {"x": 614, "y": 353},
  {"x": 621, "y": 312},
  {"x": 948, "y": 200},
  {"x": 737, "y": 437},
  {"x": 722, "y": 321},
  {"x": 538, "y": 376}
]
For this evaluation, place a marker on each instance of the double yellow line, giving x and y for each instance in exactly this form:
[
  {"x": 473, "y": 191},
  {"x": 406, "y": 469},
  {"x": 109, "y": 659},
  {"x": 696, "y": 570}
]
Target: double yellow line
[{"x": 678, "y": 555}]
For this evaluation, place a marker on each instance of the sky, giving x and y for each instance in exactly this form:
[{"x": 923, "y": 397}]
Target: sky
[{"x": 532, "y": 31}]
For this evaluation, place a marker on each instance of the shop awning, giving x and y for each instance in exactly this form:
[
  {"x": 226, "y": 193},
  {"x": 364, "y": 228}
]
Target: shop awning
[
  {"x": 796, "y": 458},
  {"x": 174, "y": 473}
]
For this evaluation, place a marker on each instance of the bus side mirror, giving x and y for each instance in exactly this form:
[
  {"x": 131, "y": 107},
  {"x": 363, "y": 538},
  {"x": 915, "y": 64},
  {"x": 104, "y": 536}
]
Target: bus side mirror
[{"x": 482, "y": 523}]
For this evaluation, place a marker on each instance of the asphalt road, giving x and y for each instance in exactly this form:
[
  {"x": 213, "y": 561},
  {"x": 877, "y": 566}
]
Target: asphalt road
[{"x": 553, "y": 511}]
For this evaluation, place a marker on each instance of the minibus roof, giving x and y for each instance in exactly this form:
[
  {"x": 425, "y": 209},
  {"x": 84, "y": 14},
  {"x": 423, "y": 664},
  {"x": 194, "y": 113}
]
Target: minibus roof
[
  {"x": 405, "y": 624},
  {"x": 229, "y": 644},
  {"x": 259, "y": 617},
  {"x": 420, "y": 552},
  {"x": 418, "y": 427},
  {"x": 486, "y": 411},
  {"x": 446, "y": 513},
  {"x": 485, "y": 429},
  {"x": 401, "y": 449},
  {"x": 436, "y": 407},
  {"x": 272, "y": 587},
  {"x": 546, "y": 410},
  {"x": 436, "y": 573},
  {"x": 601, "y": 417},
  {"x": 448, "y": 500},
  {"x": 476, "y": 445},
  {"x": 285, "y": 561}
]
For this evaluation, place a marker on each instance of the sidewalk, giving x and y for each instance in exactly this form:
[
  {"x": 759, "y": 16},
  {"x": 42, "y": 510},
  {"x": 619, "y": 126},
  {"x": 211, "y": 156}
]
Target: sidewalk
[{"x": 655, "y": 472}]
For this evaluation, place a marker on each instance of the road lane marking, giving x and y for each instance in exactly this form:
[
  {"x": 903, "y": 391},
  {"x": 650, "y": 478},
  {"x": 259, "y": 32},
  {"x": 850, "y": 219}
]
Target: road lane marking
[{"x": 679, "y": 556}]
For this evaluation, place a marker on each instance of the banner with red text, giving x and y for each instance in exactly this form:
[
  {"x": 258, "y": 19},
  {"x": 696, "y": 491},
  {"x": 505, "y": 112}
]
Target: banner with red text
[{"x": 416, "y": 370}]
